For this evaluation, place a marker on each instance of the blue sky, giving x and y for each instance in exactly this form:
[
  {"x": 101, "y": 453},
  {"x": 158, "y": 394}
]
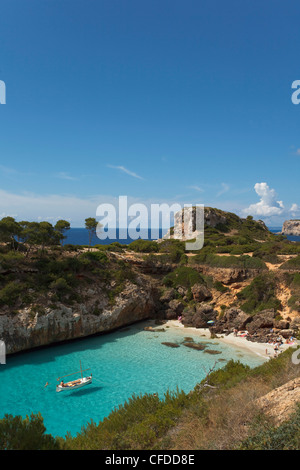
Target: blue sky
[{"x": 162, "y": 101}]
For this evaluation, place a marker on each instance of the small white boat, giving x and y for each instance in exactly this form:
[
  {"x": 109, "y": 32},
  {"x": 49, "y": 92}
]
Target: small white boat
[{"x": 74, "y": 384}]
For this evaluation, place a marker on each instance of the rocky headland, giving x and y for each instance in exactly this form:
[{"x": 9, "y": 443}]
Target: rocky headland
[
  {"x": 291, "y": 227},
  {"x": 31, "y": 328}
]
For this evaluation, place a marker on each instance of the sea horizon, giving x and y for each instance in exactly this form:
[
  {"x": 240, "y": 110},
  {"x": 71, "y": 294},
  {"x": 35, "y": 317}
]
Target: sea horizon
[{"x": 80, "y": 236}]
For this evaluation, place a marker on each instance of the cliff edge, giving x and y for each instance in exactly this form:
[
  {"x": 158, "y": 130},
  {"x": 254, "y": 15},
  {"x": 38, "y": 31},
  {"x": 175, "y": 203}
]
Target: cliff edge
[{"x": 291, "y": 227}]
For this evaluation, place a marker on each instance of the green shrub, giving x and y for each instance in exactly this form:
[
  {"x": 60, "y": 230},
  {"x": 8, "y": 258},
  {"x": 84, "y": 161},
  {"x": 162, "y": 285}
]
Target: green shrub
[
  {"x": 97, "y": 256},
  {"x": 144, "y": 246},
  {"x": 17, "y": 433},
  {"x": 244, "y": 261},
  {"x": 137, "y": 424},
  {"x": 220, "y": 287},
  {"x": 183, "y": 276},
  {"x": 10, "y": 293},
  {"x": 293, "y": 263},
  {"x": 264, "y": 436},
  {"x": 259, "y": 295}
]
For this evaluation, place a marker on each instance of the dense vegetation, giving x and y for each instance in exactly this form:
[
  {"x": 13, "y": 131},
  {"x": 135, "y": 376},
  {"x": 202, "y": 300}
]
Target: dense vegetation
[
  {"x": 215, "y": 261},
  {"x": 260, "y": 294},
  {"x": 47, "y": 276}
]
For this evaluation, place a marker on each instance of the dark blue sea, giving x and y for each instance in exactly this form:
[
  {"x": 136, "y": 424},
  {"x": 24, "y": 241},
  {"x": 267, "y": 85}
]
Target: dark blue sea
[
  {"x": 80, "y": 236},
  {"x": 289, "y": 237}
]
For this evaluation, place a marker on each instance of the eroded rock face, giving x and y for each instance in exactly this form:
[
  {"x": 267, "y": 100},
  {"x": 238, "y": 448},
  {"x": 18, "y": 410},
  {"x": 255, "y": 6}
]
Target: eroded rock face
[
  {"x": 235, "y": 319},
  {"x": 230, "y": 275},
  {"x": 186, "y": 228},
  {"x": 291, "y": 227},
  {"x": 176, "y": 306},
  {"x": 262, "y": 320},
  {"x": 24, "y": 331},
  {"x": 201, "y": 293},
  {"x": 168, "y": 295},
  {"x": 199, "y": 317},
  {"x": 282, "y": 401}
]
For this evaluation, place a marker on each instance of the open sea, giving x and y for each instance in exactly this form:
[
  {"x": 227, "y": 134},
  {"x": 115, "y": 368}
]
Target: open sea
[
  {"x": 292, "y": 238},
  {"x": 125, "y": 362},
  {"x": 79, "y": 236}
]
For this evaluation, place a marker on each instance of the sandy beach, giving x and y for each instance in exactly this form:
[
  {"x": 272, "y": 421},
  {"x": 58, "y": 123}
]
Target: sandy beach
[{"x": 264, "y": 350}]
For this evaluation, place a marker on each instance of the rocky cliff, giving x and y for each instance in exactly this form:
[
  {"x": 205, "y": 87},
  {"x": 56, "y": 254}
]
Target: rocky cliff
[
  {"x": 25, "y": 330},
  {"x": 291, "y": 227},
  {"x": 281, "y": 402},
  {"x": 187, "y": 221}
]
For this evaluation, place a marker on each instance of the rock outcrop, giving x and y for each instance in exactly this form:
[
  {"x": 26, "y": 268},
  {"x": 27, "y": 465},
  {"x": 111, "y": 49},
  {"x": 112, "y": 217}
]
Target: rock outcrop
[
  {"x": 229, "y": 275},
  {"x": 282, "y": 401},
  {"x": 201, "y": 293},
  {"x": 199, "y": 316},
  {"x": 291, "y": 227},
  {"x": 186, "y": 224},
  {"x": 261, "y": 327},
  {"x": 24, "y": 330}
]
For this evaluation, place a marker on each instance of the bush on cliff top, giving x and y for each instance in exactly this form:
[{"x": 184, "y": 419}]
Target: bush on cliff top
[
  {"x": 215, "y": 261},
  {"x": 293, "y": 263},
  {"x": 183, "y": 276},
  {"x": 259, "y": 295}
]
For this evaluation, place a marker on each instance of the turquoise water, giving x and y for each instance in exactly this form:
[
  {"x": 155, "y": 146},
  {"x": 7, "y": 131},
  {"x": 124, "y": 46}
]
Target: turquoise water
[{"x": 123, "y": 363}]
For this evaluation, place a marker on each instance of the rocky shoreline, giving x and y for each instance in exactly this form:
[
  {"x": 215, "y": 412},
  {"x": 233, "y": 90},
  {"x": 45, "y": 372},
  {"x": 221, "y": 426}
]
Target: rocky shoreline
[
  {"x": 291, "y": 227},
  {"x": 263, "y": 349}
]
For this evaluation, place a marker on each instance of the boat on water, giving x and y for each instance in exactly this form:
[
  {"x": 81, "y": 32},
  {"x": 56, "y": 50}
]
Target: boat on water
[{"x": 74, "y": 384}]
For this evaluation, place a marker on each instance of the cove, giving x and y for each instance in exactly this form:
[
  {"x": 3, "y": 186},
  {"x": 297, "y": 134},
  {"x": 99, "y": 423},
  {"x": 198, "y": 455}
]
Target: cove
[{"x": 126, "y": 362}]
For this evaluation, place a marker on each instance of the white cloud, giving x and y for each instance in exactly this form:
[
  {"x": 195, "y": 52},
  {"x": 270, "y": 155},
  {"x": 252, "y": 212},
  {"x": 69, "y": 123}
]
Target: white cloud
[
  {"x": 268, "y": 205},
  {"x": 197, "y": 188},
  {"x": 125, "y": 170},
  {"x": 295, "y": 210},
  {"x": 225, "y": 188},
  {"x": 28, "y": 206},
  {"x": 65, "y": 176},
  {"x": 52, "y": 207}
]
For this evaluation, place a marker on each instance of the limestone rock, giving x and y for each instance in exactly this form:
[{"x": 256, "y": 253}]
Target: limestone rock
[
  {"x": 263, "y": 319},
  {"x": 281, "y": 402},
  {"x": 291, "y": 227},
  {"x": 199, "y": 317},
  {"x": 23, "y": 330},
  {"x": 201, "y": 293},
  {"x": 168, "y": 295},
  {"x": 176, "y": 306}
]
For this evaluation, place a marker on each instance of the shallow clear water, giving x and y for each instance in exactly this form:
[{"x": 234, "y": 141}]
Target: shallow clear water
[{"x": 123, "y": 363}]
